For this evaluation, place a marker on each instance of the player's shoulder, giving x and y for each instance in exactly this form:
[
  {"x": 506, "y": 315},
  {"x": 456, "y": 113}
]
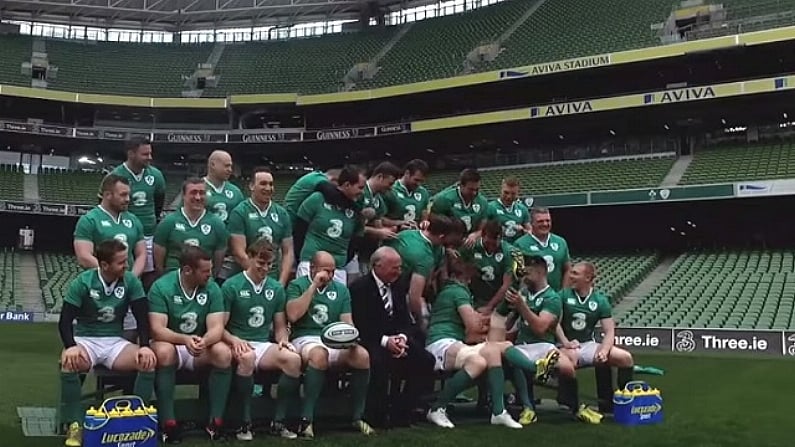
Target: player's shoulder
[
  {"x": 86, "y": 277},
  {"x": 600, "y": 296},
  {"x": 214, "y": 220},
  {"x": 340, "y": 288},
  {"x": 553, "y": 237},
  {"x": 302, "y": 282},
  {"x": 167, "y": 281},
  {"x": 279, "y": 209},
  {"x": 212, "y": 287},
  {"x": 233, "y": 282},
  {"x": 273, "y": 284},
  {"x": 551, "y": 294},
  {"x": 154, "y": 170}
]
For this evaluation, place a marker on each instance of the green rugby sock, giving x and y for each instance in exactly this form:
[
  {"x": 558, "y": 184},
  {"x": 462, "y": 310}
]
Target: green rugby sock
[
  {"x": 70, "y": 397},
  {"x": 144, "y": 385},
  {"x": 286, "y": 391},
  {"x": 219, "y": 382},
  {"x": 244, "y": 385},
  {"x": 460, "y": 381},
  {"x": 496, "y": 379},
  {"x": 519, "y": 379},
  {"x": 314, "y": 380},
  {"x": 360, "y": 379},
  {"x": 166, "y": 384},
  {"x": 519, "y": 360}
]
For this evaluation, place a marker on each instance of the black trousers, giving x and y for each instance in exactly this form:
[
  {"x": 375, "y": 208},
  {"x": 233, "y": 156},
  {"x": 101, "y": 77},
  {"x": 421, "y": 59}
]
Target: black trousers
[{"x": 411, "y": 377}]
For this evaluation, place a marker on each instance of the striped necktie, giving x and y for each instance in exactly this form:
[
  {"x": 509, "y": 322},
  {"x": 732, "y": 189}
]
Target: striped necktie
[{"x": 385, "y": 298}]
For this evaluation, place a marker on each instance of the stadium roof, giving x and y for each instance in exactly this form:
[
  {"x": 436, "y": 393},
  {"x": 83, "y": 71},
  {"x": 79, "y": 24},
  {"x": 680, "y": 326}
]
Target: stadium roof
[{"x": 185, "y": 15}]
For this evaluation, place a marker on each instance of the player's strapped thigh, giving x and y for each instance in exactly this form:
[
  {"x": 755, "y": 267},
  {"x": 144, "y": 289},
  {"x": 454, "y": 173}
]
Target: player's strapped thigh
[
  {"x": 304, "y": 345},
  {"x": 102, "y": 350},
  {"x": 586, "y": 353},
  {"x": 535, "y": 351}
]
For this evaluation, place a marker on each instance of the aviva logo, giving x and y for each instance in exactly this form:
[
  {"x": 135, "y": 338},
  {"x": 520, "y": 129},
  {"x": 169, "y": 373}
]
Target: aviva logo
[
  {"x": 566, "y": 108},
  {"x": 680, "y": 95},
  {"x": 139, "y": 436}
]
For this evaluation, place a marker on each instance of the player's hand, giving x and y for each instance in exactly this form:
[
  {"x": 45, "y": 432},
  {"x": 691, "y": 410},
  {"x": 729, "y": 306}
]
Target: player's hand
[
  {"x": 286, "y": 345},
  {"x": 146, "y": 358},
  {"x": 452, "y": 252},
  {"x": 385, "y": 233},
  {"x": 195, "y": 346},
  {"x": 240, "y": 347},
  {"x": 469, "y": 242},
  {"x": 513, "y": 298},
  {"x": 423, "y": 225},
  {"x": 321, "y": 278},
  {"x": 571, "y": 344},
  {"x": 602, "y": 354},
  {"x": 75, "y": 359},
  {"x": 369, "y": 213}
]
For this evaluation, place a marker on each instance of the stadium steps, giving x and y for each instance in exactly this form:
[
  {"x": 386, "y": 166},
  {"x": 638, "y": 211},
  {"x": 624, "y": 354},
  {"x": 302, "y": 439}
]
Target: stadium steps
[
  {"x": 645, "y": 287},
  {"x": 29, "y": 296},
  {"x": 31, "y": 187},
  {"x": 677, "y": 171}
]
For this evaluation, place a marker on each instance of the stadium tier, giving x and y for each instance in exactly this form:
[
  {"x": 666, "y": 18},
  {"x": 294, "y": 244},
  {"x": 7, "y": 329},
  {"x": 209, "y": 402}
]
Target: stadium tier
[
  {"x": 742, "y": 163},
  {"x": 9, "y": 279},
  {"x": 14, "y": 50},
  {"x": 56, "y": 271},
  {"x": 744, "y": 289},
  {"x": 11, "y": 183},
  {"x": 73, "y": 187},
  {"x": 617, "y": 274},
  {"x": 570, "y": 177}
]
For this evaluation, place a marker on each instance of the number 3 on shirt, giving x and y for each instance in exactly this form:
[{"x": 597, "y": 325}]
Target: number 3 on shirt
[{"x": 335, "y": 230}]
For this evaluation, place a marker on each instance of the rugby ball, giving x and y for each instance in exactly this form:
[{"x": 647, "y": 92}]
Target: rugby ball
[{"x": 339, "y": 335}]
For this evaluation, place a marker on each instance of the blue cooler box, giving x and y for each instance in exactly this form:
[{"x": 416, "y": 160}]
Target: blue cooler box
[
  {"x": 638, "y": 404},
  {"x": 122, "y": 421}
]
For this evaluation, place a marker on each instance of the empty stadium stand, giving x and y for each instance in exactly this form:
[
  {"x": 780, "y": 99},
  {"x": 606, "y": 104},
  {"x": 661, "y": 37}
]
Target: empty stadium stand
[
  {"x": 14, "y": 50},
  {"x": 585, "y": 175},
  {"x": 723, "y": 289},
  {"x": 11, "y": 182},
  {"x": 74, "y": 187},
  {"x": 9, "y": 279},
  {"x": 741, "y": 163},
  {"x": 617, "y": 274},
  {"x": 56, "y": 271}
]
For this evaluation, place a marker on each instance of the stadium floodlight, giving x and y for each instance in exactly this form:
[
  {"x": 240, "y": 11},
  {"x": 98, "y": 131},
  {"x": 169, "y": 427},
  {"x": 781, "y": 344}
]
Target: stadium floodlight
[{"x": 86, "y": 161}]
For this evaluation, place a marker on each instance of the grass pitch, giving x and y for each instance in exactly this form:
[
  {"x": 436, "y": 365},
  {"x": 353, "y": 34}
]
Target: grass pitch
[{"x": 715, "y": 402}]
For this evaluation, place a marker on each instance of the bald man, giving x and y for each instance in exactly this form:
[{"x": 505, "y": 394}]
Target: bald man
[
  {"x": 222, "y": 196},
  {"x": 381, "y": 314},
  {"x": 313, "y": 302},
  {"x": 583, "y": 308}
]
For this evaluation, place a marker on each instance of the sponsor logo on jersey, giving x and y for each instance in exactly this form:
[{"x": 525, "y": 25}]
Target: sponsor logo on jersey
[
  {"x": 534, "y": 248},
  {"x": 179, "y": 226},
  {"x": 177, "y": 299},
  {"x": 201, "y": 299},
  {"x": 478, "y": 256},
  {"x": 119, "y": 292},
  {"x": 245, "y": 294},
  {"x": 150, "y": 180},
  {"x": 253, "y": 216},
  {"x": 206, "y": 229},
  {"x": 104, "y": 223},
  {"x": 326, "y": 206},
  {"x": 400, "y": 195},
  {"x": 94, "y": 294},
  {"x": 192, "y": 241},
  {"x": 500, "y": 212},
  {"x": 457, "y": 206},
  {"x": 571, "y": 301}
]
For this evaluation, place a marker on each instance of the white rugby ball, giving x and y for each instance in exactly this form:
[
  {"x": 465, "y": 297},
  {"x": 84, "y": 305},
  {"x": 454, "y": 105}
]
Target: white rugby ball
[{"x": 339, "y": 335}]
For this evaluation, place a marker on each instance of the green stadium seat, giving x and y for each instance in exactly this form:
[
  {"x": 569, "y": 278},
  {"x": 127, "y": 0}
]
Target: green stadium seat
[
  {"x": 56, "y": 271},
  {"x": 741, "y": 163},
  {"x": 11, "y": 182}
]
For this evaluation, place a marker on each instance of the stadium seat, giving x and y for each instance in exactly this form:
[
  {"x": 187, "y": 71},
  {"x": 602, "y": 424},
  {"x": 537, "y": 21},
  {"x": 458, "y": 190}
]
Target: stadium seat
[
  {"x": 722, "y": 289},
  {"x": 9, "y": 279},
  {"x": 62, "y": 186},
  {"x": 617, "y": 274},
  {"x": 11, "y": 183},
  {"x": 741, "y": 163},
  {"x": 56, "y": 271},
  {"x": 14, "y": 50}
]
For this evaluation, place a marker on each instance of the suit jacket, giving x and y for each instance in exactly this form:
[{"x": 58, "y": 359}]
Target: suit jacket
[{"x": 369, "y": 314}]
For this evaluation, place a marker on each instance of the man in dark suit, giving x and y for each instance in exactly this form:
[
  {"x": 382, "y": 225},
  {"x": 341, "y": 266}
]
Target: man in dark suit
[{"x": 396, "y": 348}]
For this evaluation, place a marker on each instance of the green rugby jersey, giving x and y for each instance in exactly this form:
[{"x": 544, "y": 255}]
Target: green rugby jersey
[
  {"x": 187, "y": 312},
  {"x": 369, "y": 199},
  {"x": 581, "y": 314},
  {"x": 417, "y": 253},
  {"x": 176, "y": 230},
  {"x": 445, "y": 321},
  {"x": 143, "y": 189},
  {"x": 330, "y": 229},
  {"x": 221, "y": 201},
  {"x": 555, "y": 251},
  {"x": 406, "y": 205},
  {"x": 327, "y": 306},
  {"x": 98, "y": 225},
  {"x": 545, "y": 300},
  {"x": 252, "y": 306},
  {"x": 449, "y": 202},
  {"x": 301, "y": 189},
  {"x": 492, "y": 267},
  {"x": 273, "y": 223},
  {"x": 509, "y": 217},
  {"x": 102, "y": 306}
]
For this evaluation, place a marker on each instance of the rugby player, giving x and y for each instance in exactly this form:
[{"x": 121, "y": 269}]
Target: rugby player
[
  {"x": 222, "y": 195},
  {"x": 457, "y": 340},
  {"x": 539, "y": 309},
  {"x": 186, "y": 316},
  {"x": 259, "y": 217},
  {"x": 464, "y": 202},
  {"x": 583, "y": 308},
  {"x": 542, "y": 242},
  {"x": 422, "y": 253},
  {"x": 511, "y": 213},
  {"x": 190, "y": 225},
  {"x": 254, "y": 301},
  {"x": 98, "y": 299},
  {"x": 491, "y": 255},
  {"x": 147, "y": 195},
  {"x": 313, "y": 302},
  {"x": 331, "y": 228},
  {"x": 407, "y": 202}
]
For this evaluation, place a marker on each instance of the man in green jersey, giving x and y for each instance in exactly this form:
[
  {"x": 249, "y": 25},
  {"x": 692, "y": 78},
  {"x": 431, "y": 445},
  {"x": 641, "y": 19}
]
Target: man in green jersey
[
  {"x": 583, "y": 308},
  {"x": 510, "y": 211},
  {"x": 542, "y": 242},
  {"x": 464, "y": 202},
  {"x": 186, "y": 314},
  {"x": 407, "y": 202},
  {"x": 190, "y": 225},
  {"x": 254, "y": 301},
  {"x": 98, "y": 299},
  {"x": 222, "y": 195},
  {"x": 422, "y": 253},
  {"x": 147, "y": 194},
  {"x": 331, "y": 228},
  {"x": 539, "y": 310},
  {"x": 372, "y": 207},
  {"x": 313, "y": 302},
  {"x": 457, "y": 340},
  {"x": 492, "y": 257},
  {"x": 257, "y": 217}
]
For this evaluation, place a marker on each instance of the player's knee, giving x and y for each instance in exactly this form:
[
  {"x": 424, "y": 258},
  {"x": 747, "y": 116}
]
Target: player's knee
[
  {"x": 318, "y": 358},
  {"x": 165, "y": 353},
  {"x": 621, "y": 358},
  {"x": 492, "y": 352},
  {"x": 359, "y": 357},
  {"x": 290, "y": 363},
  {"x": 245, "y": 363},
  {"x": 475, "y": 365},
  {"x": 220, "y": 355},
  {"x": 566, "y": 367}
]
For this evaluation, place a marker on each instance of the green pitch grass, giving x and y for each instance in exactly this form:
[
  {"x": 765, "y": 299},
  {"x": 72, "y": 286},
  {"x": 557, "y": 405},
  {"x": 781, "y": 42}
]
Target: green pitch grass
[{"x": 720, "y": 402}]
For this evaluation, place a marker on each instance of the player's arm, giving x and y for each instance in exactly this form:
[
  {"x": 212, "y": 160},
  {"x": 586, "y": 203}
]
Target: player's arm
[
  {"x": 229, "y": 296},
  {"x": 564, "y": 282},
  {"x": 237, "y": 246},
  {"x": 609, "y": 329},
  {"x": 83, "y": 244},
  {"x": 540, "y": 324},
  {"x": 288, "y": 259},
  {"x": 221, "y": 243},
  {"x": 298, "y": 302},
  {"x": 417, "y": 305},
  {"x": 218, "y": 261},
  {"x": 139, "y": 263},
  {"x": 139, "y": 306},
  {"x": 159, "y": 195},
  {"x": 473, "y": 322},
  {"x": 560, "y": 334},
  {"x": 216, "y": 316},
  {"x": 376, "y": 230},
  {"x": 159, "y": 242},
  {"x": 158, "y": 320},
  {"x": 500, "y": 294}
]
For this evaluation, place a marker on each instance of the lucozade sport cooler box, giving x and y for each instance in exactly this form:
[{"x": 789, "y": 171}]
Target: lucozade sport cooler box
[
  {"x": 638, "y": 404},
  {"x": 123, "y": 420}
]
